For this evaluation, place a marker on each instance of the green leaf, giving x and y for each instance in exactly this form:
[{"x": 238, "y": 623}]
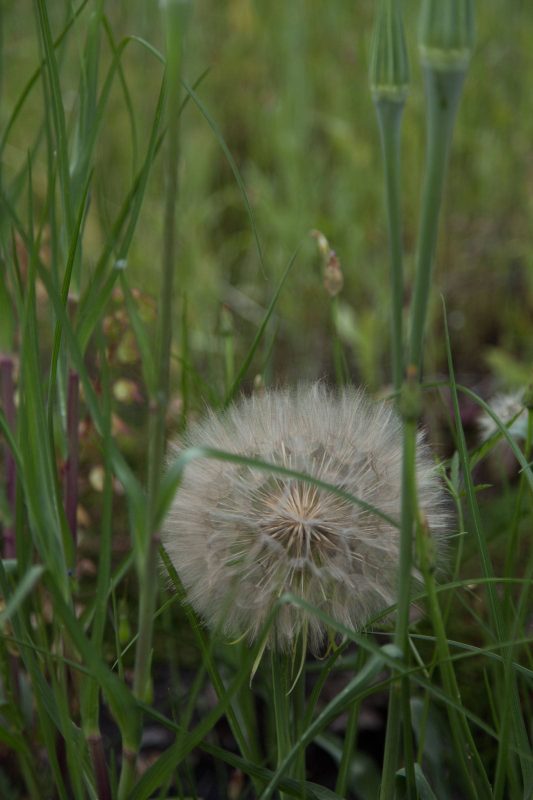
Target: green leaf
[
  {"x": 425, "y": 792},
  {"x": 23, "y": 589}
]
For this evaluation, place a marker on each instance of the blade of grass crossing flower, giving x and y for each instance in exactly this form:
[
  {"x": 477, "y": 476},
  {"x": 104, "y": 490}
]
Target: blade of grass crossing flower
[{"x": 172, "y": 478}]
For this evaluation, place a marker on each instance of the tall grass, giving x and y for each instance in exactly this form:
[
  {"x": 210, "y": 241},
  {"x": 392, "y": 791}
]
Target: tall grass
[{"x": 97, "y": 649}]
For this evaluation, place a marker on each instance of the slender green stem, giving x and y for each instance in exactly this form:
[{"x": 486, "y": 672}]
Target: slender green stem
[
  {"x": 512, "y": 548},
  {"x": 348, "y": 750},
  {"x": 280, "y": 686},
  {"x": 514, "y": 617},
  {"x": 400, "y": 687},
  {"x": 389, "y": 113},
  {"x": 443, "y": 92},
  {"x": 164, "y": 338},
  {"x": 339, "y": 359},
  {"x": 466, "y": 753},
  {"x": 147, "y": 555},
  {"x": 508, "y": 691}
]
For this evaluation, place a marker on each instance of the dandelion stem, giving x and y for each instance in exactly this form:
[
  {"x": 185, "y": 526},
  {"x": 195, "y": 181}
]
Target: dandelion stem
[
  {"x": 443, "y": 92},
  {"x": 389, "y": 114},
  {"x": 389, "y": 79},
  {"x": 280, "y": 664},
  {"x": 399, "y": 689}
]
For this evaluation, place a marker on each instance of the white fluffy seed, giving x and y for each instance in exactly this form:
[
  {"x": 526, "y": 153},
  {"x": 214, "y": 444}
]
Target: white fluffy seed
[{"x": 240, "y": 537}]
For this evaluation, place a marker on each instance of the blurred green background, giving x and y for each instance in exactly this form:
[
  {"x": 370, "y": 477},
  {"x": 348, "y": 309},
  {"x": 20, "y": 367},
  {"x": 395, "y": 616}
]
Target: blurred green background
[{"x": 287, "y": 86}]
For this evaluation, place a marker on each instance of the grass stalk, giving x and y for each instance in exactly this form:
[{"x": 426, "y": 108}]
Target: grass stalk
[
  {"x": 281, "y": 670},
  {"x": 7, "y": 389},
  {"x": 443, "y": 84},
  {"x": 72, "y": 466},
  {"x": 443, "y": 92},
  {"x": 389, "y": 78},
  {"x": 350, "y": 737},
  {"x": 446, "y": 41},
  {"x": 474, "y": 776},
  {"x": 148, "y": 552},
  {"x": 514, "y": 618},
  {"x": 399, "y": 691},
  {"x": 389, "y": 114},
  {"x": 508, "y": 690}
]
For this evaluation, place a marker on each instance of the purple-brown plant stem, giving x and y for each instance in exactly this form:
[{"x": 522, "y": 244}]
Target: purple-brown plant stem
[
  {"x": 96, "y": 749},
  {"x": 72, "y": 467},
  {"x": 8, "y": 405}
]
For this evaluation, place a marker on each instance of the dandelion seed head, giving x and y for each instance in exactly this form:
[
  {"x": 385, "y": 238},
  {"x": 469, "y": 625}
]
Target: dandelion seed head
[{"x": 240, "y": 537}]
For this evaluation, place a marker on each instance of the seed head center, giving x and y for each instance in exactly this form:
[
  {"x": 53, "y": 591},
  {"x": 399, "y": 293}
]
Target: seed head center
[{"x": 296, "y": 519}]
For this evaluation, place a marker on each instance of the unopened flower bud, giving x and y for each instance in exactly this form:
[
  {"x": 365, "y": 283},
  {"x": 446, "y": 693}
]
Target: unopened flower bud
[
  {"x": 389, "y": 64},
  {"x": 446, "y": 36}
]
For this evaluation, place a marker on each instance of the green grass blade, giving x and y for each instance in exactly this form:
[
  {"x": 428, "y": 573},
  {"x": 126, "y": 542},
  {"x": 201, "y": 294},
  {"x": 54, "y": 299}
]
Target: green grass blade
[
  {"x": 173, "y": 475},
  {"x": 17, "y": 108},
  {"x": 24, "y": 587},
  {"x": 259, "y": 335},
  {"x": 58, "y": 113}
]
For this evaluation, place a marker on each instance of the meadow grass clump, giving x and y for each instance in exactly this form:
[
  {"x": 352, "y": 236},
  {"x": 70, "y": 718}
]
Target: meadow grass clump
[{"x": 157, "y": 171}]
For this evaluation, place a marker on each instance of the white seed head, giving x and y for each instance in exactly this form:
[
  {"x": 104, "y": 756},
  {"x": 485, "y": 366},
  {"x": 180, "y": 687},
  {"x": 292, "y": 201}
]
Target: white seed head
[
  {"x": 240, "y": 537},
  {"x": 507, "y": 407}
]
